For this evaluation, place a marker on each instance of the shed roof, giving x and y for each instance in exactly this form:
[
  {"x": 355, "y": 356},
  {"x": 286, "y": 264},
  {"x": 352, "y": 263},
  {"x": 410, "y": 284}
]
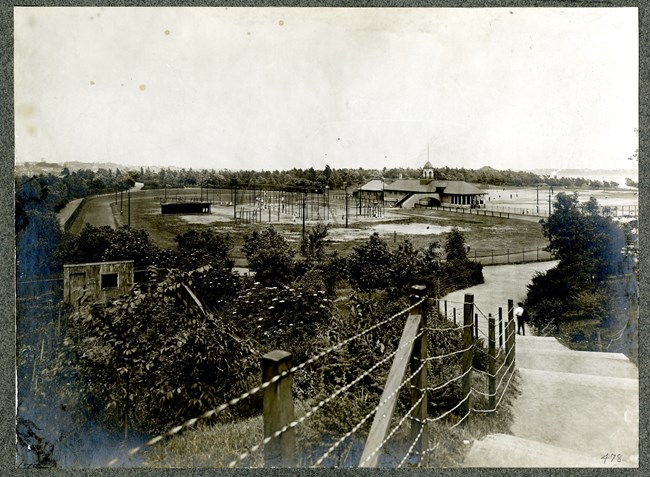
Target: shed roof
[
  {"x": 419, "y": 185},
  {"x": 411, "y": 185},
  {"x": 462, "y": 188},
  {"x": 375, "y": 185},
  {"x": 94, "y": 264}
]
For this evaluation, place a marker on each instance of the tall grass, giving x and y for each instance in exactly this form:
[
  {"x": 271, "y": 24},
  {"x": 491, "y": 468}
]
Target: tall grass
[{"x": 217, "y": 445}]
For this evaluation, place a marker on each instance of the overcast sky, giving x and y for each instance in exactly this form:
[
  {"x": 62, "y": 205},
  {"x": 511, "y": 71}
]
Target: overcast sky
[{"x": 270, "y": 88}]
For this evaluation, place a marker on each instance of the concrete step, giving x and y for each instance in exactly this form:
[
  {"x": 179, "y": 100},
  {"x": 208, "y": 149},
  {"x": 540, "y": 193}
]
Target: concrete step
[
  {"x": 576, "y": 362},
  {"x": 538, "y": 343},
  {"x": 532, "y": 343},
  {"x": 502, "y": 450},
  {"x": 583, "y": 412}
]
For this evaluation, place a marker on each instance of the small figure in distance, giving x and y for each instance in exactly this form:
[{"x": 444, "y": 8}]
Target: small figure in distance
[{"x": 520, "y": 315}]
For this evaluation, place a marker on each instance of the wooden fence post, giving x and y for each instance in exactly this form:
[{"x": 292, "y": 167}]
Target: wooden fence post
[
  {"x": 510, "y": 335},
  {"x": 492, "y": 362},
  {"x": 468, "y": 355},
  {"x": 475, "y": 326},
  {"x": 500, "y": 327},
  {"x": 446, "y": 311},
  {"x": 384, "y": 413},
  {"x": 419, "y": 381},
  {"x": 278, "y": 410},
  {"x": 455, "y": 324}
]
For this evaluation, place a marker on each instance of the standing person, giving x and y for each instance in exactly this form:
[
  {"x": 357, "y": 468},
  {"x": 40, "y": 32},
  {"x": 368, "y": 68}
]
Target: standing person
[{"x": 519, "y": 314}]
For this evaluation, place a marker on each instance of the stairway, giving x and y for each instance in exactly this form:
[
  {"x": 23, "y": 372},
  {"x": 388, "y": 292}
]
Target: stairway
[{"x": 574, "y": 409}]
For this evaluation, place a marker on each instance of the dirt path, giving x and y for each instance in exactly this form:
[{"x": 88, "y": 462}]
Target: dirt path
[
  {"x": 97, "y": 211},
  {"x": 502, "y": 282}
]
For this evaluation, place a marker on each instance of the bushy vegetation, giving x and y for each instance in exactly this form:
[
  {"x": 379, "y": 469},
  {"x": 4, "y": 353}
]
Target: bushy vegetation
[
  {"x": 154, "y": 358},
  {"x": 591, "y": 248},
  {"x": 185, "y": 341}
]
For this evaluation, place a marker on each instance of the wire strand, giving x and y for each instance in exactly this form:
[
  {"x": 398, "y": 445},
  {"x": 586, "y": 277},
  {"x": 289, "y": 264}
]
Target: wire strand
[
  {"x": 502, "y": 395},
  {"x": 367, "y": 416},
  {"x": 410, "y": 449},
  {"x": 263, "y": 386},
  {"x": 399, "y": 424}
]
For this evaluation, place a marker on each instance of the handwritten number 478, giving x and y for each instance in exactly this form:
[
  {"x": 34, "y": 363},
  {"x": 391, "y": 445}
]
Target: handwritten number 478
[{"x": 611, "y": 458}]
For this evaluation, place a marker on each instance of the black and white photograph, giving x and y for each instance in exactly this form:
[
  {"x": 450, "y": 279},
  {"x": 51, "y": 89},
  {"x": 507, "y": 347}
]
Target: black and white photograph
[{"x": 264, "y": 237}]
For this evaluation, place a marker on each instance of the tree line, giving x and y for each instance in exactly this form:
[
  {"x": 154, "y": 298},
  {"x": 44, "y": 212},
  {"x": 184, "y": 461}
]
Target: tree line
[{"x": 339, "y": 178}]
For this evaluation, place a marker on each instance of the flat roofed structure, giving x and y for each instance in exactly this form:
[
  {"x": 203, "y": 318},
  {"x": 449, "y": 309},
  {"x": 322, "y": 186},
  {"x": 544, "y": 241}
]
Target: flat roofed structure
[
  {"x": 190, "y": 207},
  {"x": 100, "y": 281}
]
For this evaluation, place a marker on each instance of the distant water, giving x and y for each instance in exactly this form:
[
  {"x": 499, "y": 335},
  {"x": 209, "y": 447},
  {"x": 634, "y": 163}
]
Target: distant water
[{"x": 614, "y": 175}]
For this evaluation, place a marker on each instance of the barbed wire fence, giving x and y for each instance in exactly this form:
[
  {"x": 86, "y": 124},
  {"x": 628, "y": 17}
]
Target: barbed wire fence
[{"x": 388, "y": 419}]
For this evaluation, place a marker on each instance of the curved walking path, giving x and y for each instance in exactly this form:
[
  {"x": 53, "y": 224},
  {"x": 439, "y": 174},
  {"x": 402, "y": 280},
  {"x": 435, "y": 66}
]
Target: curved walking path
[
  {"x": 572, "y": 409},
  {"x": 97, "y": 211},
  {"x": 502, "y": 282}
]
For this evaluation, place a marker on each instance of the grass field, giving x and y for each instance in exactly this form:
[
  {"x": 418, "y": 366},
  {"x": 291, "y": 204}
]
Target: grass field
[{"x": 483, "y": 234}]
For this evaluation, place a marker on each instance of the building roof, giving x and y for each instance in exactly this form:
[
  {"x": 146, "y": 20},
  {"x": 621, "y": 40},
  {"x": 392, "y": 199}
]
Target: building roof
[
  {"x": 411, "y": 185},
  {"x": 419, "y": 185},
  {"x": 462, "y": 188},
  {"x": 94, "y": 264},
  {"x": 427, "y": 165},
  {"x": 375, "y": 185}
]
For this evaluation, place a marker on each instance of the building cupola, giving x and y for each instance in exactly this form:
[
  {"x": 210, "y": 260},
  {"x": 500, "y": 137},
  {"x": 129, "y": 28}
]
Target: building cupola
[{"x": 427, "y": 171}]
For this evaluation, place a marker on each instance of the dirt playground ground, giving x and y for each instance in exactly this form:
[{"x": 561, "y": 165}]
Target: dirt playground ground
[{"x": 484, "y": 235}]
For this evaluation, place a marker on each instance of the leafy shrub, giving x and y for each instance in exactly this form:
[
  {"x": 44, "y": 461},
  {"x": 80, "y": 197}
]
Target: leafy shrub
[
  {"x": 271, "y": 257},
  {"x": 152, "y": 359},
  {"x": 369, "y": 265},
  {"x": 282, "y": 317},
  {"x": 204, "y": 247}
]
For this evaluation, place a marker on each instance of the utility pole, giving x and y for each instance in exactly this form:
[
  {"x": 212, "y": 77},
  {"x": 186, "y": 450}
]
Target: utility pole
[
  {"x": 304, "y": 207},
  {"x": 346, "y": 206},
  {"x": 129, "y": 207},
  {"x": 234, "y": 202}
]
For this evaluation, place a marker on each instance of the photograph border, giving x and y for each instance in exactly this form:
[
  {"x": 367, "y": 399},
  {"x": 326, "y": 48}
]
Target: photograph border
[{"x": 7, "y": 246}]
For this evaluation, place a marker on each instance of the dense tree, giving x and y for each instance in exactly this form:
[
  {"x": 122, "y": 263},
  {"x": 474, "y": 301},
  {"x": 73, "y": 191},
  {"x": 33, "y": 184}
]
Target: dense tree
[
  {"x": 455, "y": 247},
  {"x": 369, "y": 265},
  {"x": 36, "y": 244},
  {"x": 580, "y": 235},
  {"x": 204, "y": 247},
  {"x": 153, "y": 373},
  {"x": 132, "y": 244},
  {"x": 313, "y": 246},
  {"x": 405, "y": 263},
  {"x": 88, "y": 246},
  {"x": 428, "y": 270},
  {"x": 98, "y": 244},
  {"x": 588, "y": 245},
  {"x": 270, "y": 256},
  {"x": 458, "y": 271}
]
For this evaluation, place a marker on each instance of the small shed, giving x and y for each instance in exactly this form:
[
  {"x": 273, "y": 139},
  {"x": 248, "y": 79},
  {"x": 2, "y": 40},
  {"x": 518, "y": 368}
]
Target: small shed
[
  {"x": 101, "y": 281},
  {"x": 189, "y": 207}
]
